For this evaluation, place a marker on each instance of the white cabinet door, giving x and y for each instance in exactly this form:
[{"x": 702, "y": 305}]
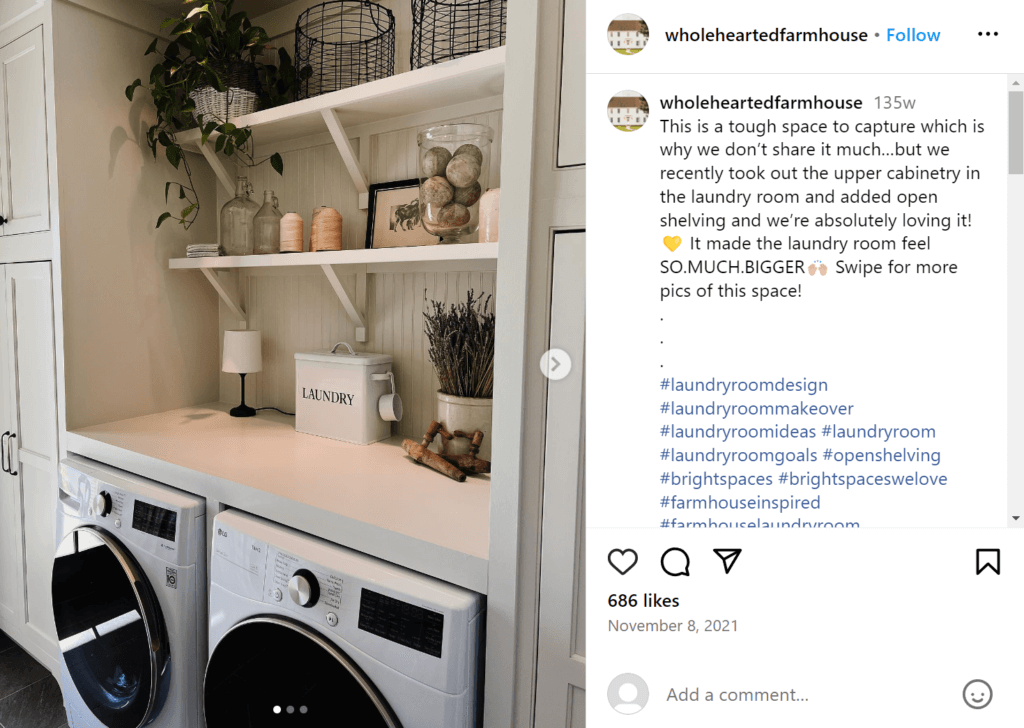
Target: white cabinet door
[
  {"x": 12, "y": 567},
  {"x": 572, "y": 122},
  {"x": 33, "y": 444},
  {"x": 561, "y": 651},
  {"x": 24, "y": 172}
]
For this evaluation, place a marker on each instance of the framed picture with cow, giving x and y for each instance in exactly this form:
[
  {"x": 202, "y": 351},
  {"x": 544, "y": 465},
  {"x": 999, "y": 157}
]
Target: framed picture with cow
[{"x": 393, "y": 216}]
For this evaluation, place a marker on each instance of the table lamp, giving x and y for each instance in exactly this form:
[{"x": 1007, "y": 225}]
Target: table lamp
[{"x": 242, "y": 355}]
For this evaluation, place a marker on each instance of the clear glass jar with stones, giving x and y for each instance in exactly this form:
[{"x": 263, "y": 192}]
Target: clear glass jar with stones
[{"x": 454, "y": 171}]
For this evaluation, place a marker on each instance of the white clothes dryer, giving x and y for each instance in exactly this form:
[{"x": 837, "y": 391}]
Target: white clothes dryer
[
  {"x": 129, "y": 599},
  {"x": 307, "y": 633}
]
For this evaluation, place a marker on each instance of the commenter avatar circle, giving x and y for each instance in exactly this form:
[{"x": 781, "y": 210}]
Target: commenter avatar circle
[
  {"x": 628, "y": 34},
  {"x": 628, "y": 110},
  {"x": 628, "y": 693}
]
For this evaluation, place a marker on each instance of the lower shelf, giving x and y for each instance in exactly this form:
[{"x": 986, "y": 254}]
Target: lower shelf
[
  {"x": 376, "y": 260},
  {"x": 371, "y": 498}
]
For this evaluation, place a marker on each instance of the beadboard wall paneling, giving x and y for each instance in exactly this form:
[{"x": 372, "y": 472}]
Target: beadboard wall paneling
[
  {"x": 312, "y": 177},
  {"x": 297, "y": 310},
  {"x": 300, "y": 312},
  {"x": 315, "y": 175}
]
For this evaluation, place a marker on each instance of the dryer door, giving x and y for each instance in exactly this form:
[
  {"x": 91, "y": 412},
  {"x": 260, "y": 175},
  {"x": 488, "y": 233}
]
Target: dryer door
[
  {"x": 268, "y": 671},
  {"x": 112, "y": 637}
]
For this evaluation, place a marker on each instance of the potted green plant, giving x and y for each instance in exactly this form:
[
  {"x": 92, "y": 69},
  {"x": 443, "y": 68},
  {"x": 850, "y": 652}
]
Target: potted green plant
[
  {"x": 209, "y": 73},
  {"x": 461, "y": 338}
]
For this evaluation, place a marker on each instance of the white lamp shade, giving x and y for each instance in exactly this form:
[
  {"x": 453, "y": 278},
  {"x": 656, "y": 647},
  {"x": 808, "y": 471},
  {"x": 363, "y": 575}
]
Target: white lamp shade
[{"x": 242, "y": 353}]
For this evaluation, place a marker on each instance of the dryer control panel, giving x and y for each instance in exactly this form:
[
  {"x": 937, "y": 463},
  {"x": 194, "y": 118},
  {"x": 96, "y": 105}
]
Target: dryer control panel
[{"x": 303, "y": 586}]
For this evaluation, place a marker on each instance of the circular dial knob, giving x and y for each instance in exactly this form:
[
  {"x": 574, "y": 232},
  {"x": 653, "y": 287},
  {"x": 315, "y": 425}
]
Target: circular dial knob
[
  {"x": 100, "y": 504},
  {"x": 303, "y": 588}
]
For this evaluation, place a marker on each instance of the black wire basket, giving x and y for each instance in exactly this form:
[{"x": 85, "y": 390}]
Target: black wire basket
[
  {"x": 447, "y": 29},
  {"x": 344, "y": 44}
]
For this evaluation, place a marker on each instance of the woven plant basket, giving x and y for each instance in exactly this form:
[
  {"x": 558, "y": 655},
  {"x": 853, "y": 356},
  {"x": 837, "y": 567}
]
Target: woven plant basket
[{"x": 241, "y": 98}]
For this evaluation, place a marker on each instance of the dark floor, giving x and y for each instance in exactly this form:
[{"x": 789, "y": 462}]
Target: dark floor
[{"x": 29, "y": 695}]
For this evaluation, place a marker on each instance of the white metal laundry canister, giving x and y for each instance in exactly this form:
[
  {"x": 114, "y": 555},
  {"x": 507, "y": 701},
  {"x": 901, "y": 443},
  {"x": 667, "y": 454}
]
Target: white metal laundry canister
[{"x": 337, "y": 394}]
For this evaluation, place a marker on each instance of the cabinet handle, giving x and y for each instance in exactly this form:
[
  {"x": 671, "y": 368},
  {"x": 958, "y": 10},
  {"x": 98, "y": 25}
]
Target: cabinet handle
[
  {"x": 10, "y": 456},
  {"x": 3, "y": 220},
  {"x": 3, "y": 447}
]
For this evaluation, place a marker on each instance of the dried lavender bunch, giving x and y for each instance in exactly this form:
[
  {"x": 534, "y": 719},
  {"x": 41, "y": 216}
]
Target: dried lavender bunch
[{"x": 461, "y": 340}]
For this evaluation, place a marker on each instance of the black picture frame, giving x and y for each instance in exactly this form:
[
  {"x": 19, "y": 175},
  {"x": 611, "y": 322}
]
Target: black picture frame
[{"x": 419, "y": 236}]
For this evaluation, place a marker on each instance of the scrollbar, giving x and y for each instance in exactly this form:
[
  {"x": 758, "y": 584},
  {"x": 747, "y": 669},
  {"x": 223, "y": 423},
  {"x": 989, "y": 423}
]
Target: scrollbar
[{"x": 1016, "y": 129}]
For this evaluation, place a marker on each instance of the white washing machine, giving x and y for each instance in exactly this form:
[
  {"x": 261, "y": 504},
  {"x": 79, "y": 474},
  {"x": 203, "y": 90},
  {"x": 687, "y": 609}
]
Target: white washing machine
[
  {"x": 307, "y": 633},
  {"x": 129, "y": 599}
]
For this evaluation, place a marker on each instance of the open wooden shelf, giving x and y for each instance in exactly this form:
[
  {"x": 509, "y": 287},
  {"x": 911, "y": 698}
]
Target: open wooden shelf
[
  {"x": 371, "y": 498},
  {"x": 467, "y": 256},
  {"x": 472, "y": 78},
  {"x": 378, "y": 260}
]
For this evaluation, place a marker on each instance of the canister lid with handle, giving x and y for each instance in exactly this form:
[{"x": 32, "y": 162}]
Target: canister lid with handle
[{"x": 343, "y": 353}]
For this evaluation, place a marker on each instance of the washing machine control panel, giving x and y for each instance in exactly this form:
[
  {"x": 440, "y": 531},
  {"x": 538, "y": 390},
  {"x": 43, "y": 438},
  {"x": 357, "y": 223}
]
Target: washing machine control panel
[{"x": 306, "y": 588}]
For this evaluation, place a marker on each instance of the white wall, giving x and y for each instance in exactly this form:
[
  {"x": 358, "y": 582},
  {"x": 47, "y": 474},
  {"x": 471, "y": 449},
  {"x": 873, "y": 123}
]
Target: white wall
[{"x": 139, "y": 338}]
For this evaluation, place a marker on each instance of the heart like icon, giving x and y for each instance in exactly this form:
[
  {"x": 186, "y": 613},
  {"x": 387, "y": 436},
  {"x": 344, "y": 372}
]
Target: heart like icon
[
  {"x": 622, "y": 560},
  {"x": 673, "y": 242}
]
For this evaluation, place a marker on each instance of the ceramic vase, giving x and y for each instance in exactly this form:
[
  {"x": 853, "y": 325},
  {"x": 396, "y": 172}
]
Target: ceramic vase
[{"x": 468, "y": 414}]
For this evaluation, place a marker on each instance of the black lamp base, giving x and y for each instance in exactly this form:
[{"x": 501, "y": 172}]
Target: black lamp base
[{"x": 242, "y": 410}]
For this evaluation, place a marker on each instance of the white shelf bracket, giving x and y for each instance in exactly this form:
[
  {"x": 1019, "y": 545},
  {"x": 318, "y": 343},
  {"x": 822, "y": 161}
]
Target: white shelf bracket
[
  {"x": 226, "y": 296},
  {"x": 346, "y": 302},
  {"x": 348, "y": 155},
  {"x": 218, "y": 167}
]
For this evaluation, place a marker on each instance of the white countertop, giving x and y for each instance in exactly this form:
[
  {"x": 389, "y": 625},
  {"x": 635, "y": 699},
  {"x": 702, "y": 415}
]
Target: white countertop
[{"x": 371, "y": 498}]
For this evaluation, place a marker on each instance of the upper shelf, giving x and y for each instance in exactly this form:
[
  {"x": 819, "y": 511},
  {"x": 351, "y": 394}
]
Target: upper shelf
[
  {"x": 472, "y": 78},
  {"x": 375, "y": 260}
]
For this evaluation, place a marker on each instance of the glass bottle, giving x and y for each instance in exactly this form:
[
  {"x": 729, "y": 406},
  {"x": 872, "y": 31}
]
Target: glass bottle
[
  {"x": 236, "y": 221},
  {"x": 267, "y": 226}
]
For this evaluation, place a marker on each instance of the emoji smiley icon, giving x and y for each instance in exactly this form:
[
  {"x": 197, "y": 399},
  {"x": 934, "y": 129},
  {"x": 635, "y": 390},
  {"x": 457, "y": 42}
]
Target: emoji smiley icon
[{"x": 977, "y": 694}]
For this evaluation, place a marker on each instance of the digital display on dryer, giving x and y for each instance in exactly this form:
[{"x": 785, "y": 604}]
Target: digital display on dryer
[
  {"x": 401, "y": 622},
  {"x": 154, "y": 520}
]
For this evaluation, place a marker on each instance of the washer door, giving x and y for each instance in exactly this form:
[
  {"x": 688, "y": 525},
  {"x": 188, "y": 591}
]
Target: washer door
[
  {"x": 268, "y": 671},
  {"x": 111, "y": 634}
]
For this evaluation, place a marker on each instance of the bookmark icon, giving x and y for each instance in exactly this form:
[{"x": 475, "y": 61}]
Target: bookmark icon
[{"x": 987, "y": 559}]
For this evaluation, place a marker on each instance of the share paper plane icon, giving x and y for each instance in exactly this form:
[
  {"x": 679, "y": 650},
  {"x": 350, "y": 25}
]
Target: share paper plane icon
[{"x": 728, "y": 557}]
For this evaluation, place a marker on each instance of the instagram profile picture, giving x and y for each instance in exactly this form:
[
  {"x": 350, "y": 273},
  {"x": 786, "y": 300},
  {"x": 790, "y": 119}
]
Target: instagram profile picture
[
  {"x": 628, "y": 693},
  {"x": 628, "y": 34},
  {"x": 628, "y": 110}
]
